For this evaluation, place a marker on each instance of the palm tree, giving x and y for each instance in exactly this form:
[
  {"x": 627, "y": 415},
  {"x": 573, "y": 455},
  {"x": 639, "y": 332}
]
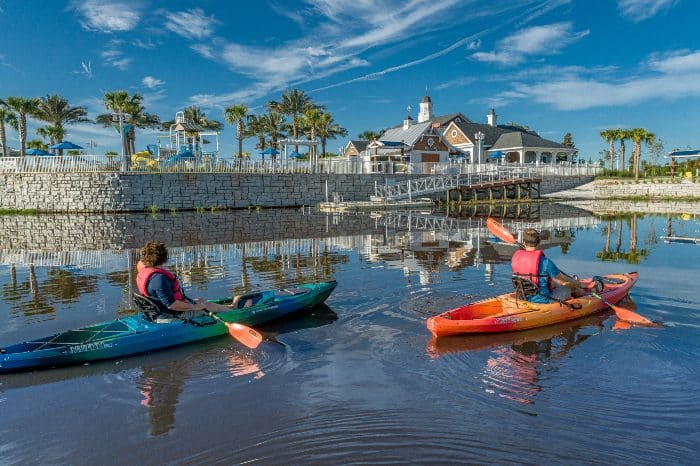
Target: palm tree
[
  {"x": 610, "y": 135},
  {"x": 275, "y": 126},
  {"x": 121, "y": 103},
  {"x": 639, "y": 135},
  {"x": 312, "y": 121},
  {"x": 368, "y": 136},
  {"x": 36, "y": 144},
  {"x": 650, "y": 141},
  {"x": 256, "y": 128},
  {"x": 622, "y": 135},
  {"x": 294, "y": 103},
  {"x": 55, "y": 110},
  {"x": 22, "y": 107},
  {"x": 53, "y": 133},
  {"x": 329, "y": 129},
  {"x": 7, "y": 117},
  {"x": 195, "y": 115},
  {"x": 235, "y": 115}
]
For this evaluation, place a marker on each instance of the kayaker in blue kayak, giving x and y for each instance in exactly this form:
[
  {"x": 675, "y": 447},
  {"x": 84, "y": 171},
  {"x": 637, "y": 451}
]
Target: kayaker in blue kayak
[
  {"x": 531, "y": 266},
  {"x": 163, "y": 286}
]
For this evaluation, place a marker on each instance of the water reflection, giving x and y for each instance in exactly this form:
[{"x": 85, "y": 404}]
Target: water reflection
[
  {"x": 161, "y": 386},
  {"x": 306, "y": 397},
  {"x": 420, "y": 244},
  {"x": 31, "y": 296},
  {"x": 633, "y": 254},
  {"x": 515, "y": 360},
  {"x": 161, "y": 378}
]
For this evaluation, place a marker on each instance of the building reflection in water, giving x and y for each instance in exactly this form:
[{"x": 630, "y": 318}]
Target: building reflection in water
[{"x": 419, "y": 244}]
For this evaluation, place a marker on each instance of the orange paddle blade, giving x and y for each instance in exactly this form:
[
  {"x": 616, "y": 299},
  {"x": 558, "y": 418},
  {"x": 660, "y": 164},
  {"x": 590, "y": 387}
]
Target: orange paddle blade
[
  {"x": 498, "y": 230},
  {"x": 621, "y": 325},
  {"x": 244, "y": 334},
  {"x": 625, "y": 314},
  {"x": 631, "y": 316}
]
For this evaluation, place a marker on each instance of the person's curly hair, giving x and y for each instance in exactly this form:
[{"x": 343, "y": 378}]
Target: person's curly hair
[{"x": 154, "y": 254}]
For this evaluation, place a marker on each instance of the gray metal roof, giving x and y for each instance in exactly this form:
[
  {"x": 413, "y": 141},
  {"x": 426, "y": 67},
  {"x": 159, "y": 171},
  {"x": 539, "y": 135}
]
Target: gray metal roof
[
  {"x": 517, "y": 139},
  {"x": 409, "y": 135},
  {"x": 359, "y": 144},
  {"x": 491, "y": 133},
  {"x": 444, "y": 119}
]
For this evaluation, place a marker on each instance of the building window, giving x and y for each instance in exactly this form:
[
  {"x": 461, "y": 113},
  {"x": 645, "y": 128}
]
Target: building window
[
  {"x": 431, "y": 142},
  {"x": 454, "y": 133},
  {"x": 458, "y": 120}
]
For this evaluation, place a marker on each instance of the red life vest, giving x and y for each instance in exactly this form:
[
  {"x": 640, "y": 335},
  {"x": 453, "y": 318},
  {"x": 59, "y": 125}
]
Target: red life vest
[
  {"x": 527, "y": 264},
  {"x": 145, "y": 275}
]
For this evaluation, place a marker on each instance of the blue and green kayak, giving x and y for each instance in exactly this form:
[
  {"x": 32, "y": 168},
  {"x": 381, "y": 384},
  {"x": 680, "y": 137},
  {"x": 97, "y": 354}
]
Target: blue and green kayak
[{"x": 138, "y": 334}]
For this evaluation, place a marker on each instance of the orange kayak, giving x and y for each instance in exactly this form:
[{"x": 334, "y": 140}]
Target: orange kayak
[{"x": 505, "y": 313}]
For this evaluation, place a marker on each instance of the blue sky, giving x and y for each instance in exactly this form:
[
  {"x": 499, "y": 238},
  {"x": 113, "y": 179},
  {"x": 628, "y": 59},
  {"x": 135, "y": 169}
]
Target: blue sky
[{"x": 555, "y": 65}]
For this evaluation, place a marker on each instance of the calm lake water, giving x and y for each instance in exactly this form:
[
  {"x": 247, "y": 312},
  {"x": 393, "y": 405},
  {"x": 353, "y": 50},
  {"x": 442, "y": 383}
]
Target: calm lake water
[{"x": 361, "y": 381}]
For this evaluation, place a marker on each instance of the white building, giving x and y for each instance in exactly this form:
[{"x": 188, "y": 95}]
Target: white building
[{"x": 438, "y": 139}]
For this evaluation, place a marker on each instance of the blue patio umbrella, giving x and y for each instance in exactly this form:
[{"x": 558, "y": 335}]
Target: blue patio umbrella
[
  {"x": 497, "y": 155},
  {"x": 37, "y": 152},
  {"x": 270, "y": 151},
  {"x": 295, "y": 155},
  {"x": 65, "y": 145}
]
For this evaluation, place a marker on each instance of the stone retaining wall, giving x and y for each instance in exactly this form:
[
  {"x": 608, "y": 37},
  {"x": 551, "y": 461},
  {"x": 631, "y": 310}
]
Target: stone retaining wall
[
  {"x": 127, "y": 192},
  {"x": 116, "y": 192},
  {"x": 624, "y": 188}
]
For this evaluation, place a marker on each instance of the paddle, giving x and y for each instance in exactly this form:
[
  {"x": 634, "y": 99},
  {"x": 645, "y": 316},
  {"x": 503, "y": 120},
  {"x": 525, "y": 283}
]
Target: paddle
[
  {"x": 624, "y": 313},
  {"x": 497, "y": 229},
  {"x": 244, "y": 334}
]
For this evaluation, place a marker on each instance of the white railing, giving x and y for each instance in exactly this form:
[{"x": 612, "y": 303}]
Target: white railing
[
  {"x": 335, "y": 165},
  {"x": 407, "y": 189}
]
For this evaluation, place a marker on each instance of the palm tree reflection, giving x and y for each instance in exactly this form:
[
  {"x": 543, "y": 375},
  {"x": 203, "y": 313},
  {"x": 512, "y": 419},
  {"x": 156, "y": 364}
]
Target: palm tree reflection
[{"x": 633, "y": 255}]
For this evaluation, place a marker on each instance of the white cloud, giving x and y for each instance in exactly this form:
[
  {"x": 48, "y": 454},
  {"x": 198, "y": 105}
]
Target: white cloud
[
  {"x": 677, "y": 62},
  {"x": 675, "y": 77},
  {"x": 536, "y": 40},
  {"x": 85, "y": 69},
  {"x": 151, "y": 82},
  {"x": 114, "y": 57},
  {"x": 293, "y": 15},
  {"x": 204, "y": 50},
  {"x": 336, "y": 35},
  {"x": 639, "y": 10},
  {"x": 145, "y": 44},
  {"x": 191, "y": 24},
  {"x": 457, "y": 82},
  {"x": 107, "y": 15},
  {"x": 474, "y": 45}
]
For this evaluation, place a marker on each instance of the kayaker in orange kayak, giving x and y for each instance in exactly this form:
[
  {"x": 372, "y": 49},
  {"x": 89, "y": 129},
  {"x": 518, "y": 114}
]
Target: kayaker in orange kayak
[{"x": 540, "y": 278}]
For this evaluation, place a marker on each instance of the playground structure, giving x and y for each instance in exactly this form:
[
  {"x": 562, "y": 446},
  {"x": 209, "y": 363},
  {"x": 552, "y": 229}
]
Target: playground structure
[{"x": 185, "y": 141}]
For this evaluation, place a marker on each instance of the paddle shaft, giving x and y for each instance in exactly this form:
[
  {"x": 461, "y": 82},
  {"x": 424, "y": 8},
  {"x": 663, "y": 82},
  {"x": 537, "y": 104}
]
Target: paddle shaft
[{"x": 605, "y": 301}]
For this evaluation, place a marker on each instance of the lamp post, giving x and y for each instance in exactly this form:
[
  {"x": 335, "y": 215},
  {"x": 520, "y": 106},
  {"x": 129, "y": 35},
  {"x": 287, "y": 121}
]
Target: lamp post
[{"x": 479, "y": 137}]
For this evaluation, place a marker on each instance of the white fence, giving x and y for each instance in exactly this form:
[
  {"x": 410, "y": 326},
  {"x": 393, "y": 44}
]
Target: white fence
[{"x": 337, "y": 165}]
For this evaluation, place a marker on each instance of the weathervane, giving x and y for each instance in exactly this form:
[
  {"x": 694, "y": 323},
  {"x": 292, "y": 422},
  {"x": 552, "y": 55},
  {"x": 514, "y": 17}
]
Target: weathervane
[{"x": 408, "y": 109}]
